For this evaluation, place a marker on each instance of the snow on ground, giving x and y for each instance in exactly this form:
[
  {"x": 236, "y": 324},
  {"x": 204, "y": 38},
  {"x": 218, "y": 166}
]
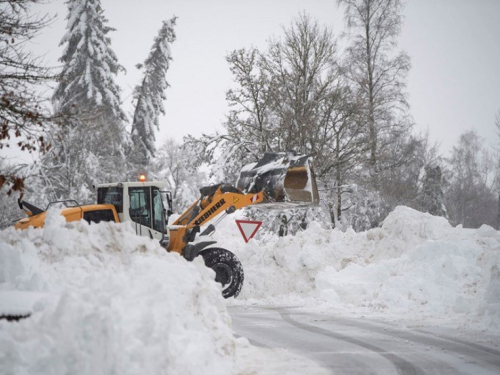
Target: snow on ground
[
  {"x": 415, "y": 266},
  {"x": 106, "y": 301}
]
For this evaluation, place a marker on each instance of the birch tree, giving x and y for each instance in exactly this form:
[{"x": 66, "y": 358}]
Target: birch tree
[
  {"x": 251, "y": 115},
  {"x": 304, "y": 66},
  {"x": 379, "y": 72}
]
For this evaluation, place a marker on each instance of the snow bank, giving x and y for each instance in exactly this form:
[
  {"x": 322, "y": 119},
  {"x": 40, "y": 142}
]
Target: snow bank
[
  {"x": 109, "y": 301},
  {"x": 416, "y": 265}
]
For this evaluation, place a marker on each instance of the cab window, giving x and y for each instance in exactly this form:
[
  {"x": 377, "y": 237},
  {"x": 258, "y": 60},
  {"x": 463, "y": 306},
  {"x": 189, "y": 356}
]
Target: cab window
[
  {"x": 98, "y": 216},
  {"x": 140, "y": 207},
  {"x": 111, "y": 195},
  {"x": 158, "y": 221}
]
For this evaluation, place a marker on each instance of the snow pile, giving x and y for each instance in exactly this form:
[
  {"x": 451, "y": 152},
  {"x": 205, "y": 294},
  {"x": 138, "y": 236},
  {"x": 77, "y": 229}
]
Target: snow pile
[
  {"x": 113, "y": 302},
  {"x": 415, "y": 265}
]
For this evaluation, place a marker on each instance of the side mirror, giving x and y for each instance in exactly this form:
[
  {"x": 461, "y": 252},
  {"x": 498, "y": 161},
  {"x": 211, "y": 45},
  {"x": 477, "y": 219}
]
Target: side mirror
[
  {"x": 169, "y": 210},
  {"x": 167, "y": 213}
]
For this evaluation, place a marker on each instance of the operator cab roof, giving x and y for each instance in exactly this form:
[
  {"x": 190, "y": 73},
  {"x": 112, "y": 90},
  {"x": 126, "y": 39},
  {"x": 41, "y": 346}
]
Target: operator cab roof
[{"x": 159, "y": 184}]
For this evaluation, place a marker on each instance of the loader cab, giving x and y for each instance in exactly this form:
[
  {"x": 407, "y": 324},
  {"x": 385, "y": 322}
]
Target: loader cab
[{"x": 142, "y": 203}]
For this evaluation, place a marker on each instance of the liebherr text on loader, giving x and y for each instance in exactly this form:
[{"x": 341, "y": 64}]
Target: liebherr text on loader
[{"x": 277, "y": 180}]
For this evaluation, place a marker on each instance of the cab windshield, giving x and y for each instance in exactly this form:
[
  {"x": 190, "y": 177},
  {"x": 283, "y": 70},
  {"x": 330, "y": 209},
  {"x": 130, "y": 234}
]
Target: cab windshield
[{"x": 146, "y": 207}]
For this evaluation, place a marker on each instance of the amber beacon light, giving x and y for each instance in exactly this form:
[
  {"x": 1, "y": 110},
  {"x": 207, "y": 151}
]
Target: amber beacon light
[{"x": 142, "y": 177}]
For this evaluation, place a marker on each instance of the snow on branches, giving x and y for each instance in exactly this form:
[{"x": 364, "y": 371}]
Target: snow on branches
[
  {"x": 150, "y": 94},
  {"x": 90, "y": 64}
]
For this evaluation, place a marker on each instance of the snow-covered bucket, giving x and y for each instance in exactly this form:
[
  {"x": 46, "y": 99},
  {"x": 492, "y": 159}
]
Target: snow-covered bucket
[{"x": 287, "y": 179}]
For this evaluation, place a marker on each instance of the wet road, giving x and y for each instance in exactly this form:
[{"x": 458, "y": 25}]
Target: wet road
[{"x": 364, "y": 346}]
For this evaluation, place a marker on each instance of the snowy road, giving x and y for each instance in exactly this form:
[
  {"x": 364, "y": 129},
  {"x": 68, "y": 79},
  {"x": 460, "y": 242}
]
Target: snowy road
[{"x": 365, "y": 346}]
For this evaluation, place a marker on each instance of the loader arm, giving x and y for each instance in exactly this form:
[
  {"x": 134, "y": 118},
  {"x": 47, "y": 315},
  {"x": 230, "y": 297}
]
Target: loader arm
[
  {"x": 29, "y": 208},
  {"x": 214, "y": 200}
]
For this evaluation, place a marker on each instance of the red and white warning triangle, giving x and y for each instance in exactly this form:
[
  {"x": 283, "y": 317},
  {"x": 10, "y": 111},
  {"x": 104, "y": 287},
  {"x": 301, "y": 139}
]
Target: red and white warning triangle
[{"x": 248, "y": 228}]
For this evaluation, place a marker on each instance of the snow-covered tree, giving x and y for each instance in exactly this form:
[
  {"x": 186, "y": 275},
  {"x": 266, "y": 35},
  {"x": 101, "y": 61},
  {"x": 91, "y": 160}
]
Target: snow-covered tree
[
  {"x": 9, "y": 210},
  {"x": 432, "y": 197},
  {"x": 87, "y": 89},
  {"x": 401, "y": 182},
  {"x": 367, "y": 208},
  {"x": 150, "y": 94},
  {"x": 224, "y": 153},
  {"x": 88, "y": 76},
  {"x": 72, "y": 167},
  {"x": 91, "y": 142},
  {"x": 469, "y": 196},
  {"x": 497, "y": 170},
  {"x": 172, "y": 165}
]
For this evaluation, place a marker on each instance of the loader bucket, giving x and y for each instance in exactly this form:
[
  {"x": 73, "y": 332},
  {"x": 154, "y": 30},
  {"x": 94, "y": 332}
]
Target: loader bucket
[{"x": 286, "y": 179}]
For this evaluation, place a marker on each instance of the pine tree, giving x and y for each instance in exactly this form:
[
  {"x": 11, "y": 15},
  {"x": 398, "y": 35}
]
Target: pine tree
[
  {"x": 497, "y": 166},
  {"x": 432, "y": 198},
  {"x": 498, "y": 212},
  {"x": 470, "y": 197},
  {"x": 90, "y": 144},
  {"x": 149, "y": 96},
  {"x": 90, "y": 64}
]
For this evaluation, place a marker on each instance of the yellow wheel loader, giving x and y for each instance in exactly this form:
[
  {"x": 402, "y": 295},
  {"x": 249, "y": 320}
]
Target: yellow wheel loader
[{"x": 277, "y": 180}]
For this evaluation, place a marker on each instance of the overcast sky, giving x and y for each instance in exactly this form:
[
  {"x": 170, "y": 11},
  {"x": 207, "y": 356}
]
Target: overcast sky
[{"x": 453, "y": 85}]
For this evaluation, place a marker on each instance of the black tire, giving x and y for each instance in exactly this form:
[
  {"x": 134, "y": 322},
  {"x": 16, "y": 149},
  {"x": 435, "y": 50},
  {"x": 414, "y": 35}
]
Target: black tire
[{"x": 228, "y": 270}]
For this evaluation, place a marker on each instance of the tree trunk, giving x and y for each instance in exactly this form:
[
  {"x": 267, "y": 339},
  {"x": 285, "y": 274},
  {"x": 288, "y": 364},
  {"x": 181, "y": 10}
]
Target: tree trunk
[
  {"x": 498, "y": 214},
  {"x": 338, "y": 178}
]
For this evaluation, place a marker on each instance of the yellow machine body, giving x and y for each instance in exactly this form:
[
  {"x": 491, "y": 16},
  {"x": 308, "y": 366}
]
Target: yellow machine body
[
  {"x": 70, "y": 214},
  {"x": 180, "y": 233}
]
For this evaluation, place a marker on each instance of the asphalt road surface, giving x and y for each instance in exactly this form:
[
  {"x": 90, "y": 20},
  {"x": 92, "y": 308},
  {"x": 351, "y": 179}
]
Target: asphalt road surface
[{"x": 366, "y": 346}]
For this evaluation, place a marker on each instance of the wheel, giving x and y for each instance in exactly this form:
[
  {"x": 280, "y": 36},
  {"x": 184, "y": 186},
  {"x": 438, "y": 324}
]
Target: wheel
[{"x": 228, "y": 270}]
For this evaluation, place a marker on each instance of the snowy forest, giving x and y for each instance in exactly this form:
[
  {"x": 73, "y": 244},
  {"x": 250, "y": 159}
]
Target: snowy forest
[{"x": 340, "y": 98}]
